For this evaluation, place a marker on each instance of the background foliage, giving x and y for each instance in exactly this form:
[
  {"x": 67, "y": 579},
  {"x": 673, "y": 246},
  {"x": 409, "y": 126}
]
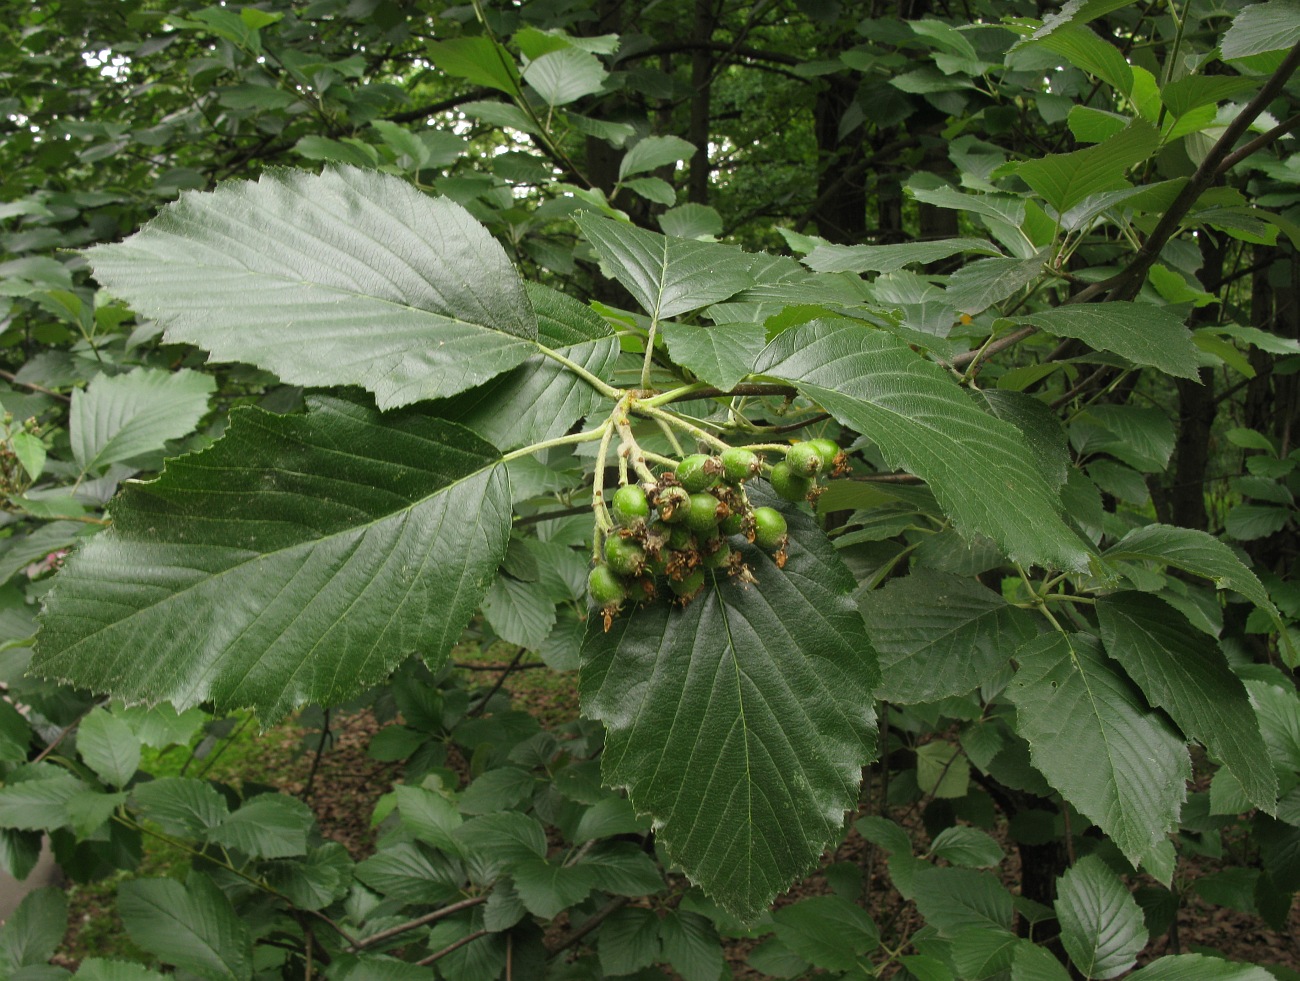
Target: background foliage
[{"x": 1035, "y": 269}]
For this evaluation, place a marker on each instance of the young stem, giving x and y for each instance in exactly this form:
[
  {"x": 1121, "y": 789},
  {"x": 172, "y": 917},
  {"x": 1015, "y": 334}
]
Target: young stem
[
  {"x": 674, "y": 420},
  {"x": 590, "y": 436},
  {"x": 649, "y": 353},
  {"x": 609, "y": 391}
]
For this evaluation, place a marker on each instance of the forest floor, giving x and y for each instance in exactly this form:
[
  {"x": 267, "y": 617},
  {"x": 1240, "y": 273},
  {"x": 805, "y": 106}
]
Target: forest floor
[{"x": 345, "y": 782}]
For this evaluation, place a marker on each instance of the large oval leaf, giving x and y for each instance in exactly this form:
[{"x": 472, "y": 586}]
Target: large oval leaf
[
  {"x": 299, "y": 559},
  {"x": 349, "y": 278},
  {"x": 742, "y": 722},
  {"x": 980, "y": 468}
]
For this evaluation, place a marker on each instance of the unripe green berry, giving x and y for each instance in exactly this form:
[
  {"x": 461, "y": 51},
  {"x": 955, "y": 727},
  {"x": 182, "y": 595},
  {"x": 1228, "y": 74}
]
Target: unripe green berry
[
  {"x": 769, "y": 528},
  {"x": 698, "y": 472},
  {"x": 605, "y": 588},
  {"x": 703, "y": 518},
  {"x": 689, "y": 586},
  {"x": 630, "y": 505},
  {"x": 674, "y": 504},
  {"x": 788, "y": 484},
  {"x": 625, "y": 557},
  {"x": 739, "y": 464},
  {"x": 828, "y": 450},
  {"x": 720, "y": 556},
  {"x": 732, "y": 524},
  {"x": 680, "y": 538},
  {"x": 804, "y": 459}
]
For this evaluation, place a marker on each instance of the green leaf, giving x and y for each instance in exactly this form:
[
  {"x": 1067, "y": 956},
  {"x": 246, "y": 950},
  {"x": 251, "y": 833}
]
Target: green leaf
[
  {"x": 508, "y": 836},
  {"x": 691, "y": 221},
  {"x": 830, "y": 258},
  {"x": 721, "y": 355},
  {"x": 628, "y": 941},
  {"x": 1141, "y": 332},
  {"x": 1183, "y": 672},
  {"x": 953, "y": 900},
  {"x": 548, "y": 888},
  {"x": 1196, "y": 552},
  {"x": 411, "y": 873},
  {"x": 268, "y": 826},
  {"x": 979, "y": 952},
  {"x": 1261, "y": 27},
  {"x": 654, "y": 152},
  {"x": 978, "y": 285},
  {"x": 521, "y": 613},
  {"x": 691, "y": 945},
  {"x": 351, "y": 277},
  {"x": 667, "y": 276},
  {"x": 968, "y": 847},
  {"x": 1102, "y": 928},
  {"x": 37, "y": 803},
  {"x": 314, "y": 882},
  {"x": 1033, "y": 963},
  {"x": 1084, "y": 49},
  {"x": 654, "y": 189},
  {"x": 34, "y": 929},
  {"x": 30, "y": 450},
  {"x": 564, "y": 76},
  {"x": 1040, "y": 426},
  {"x": 939, "y": 635},
  {"x": 923, "y": 422},
  {"x": 1195, "y": 91},
  {"x": 350, "y": 539},
  {"x": 748, "y": 713},
  {"x": 96, "y": 969},
  {"x": 608, "y": 817},
  {"x": 941, "y": 770},
  {"x": 541, "y": 399},
  {"x": 1198, "y": 967},
  {"x": 119, "y": 417},
  {"x": 192, "y": 926},
  {"x": 1247, "y": 522},
  {"x": 109, "y": 747},
  {"x": 181, "y": 806},
  {"x": 1065, "y": 179},
  {"x": 827, "y": 932},
  {"x": 1093, "y": 738},
  {"x": 476, "y": 59},
  {"x": 623, "y": 869}
]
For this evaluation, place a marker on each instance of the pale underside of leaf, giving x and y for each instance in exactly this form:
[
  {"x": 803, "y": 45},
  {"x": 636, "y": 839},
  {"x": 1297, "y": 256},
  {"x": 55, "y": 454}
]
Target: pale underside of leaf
[
  {"x": 741, "y": 723},
  {"x": 351, "y": 277},
  {"x": 298, "y": 560}
]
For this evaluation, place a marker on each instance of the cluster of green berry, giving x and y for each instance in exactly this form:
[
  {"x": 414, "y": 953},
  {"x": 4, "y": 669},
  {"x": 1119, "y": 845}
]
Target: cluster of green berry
[{"x": 670, "y": 533}]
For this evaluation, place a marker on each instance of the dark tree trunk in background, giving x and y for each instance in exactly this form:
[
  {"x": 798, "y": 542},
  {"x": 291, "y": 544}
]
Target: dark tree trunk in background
[
  {"x": 1197, "y": 408},
  {"x": 1273, "y": 399},
  {"x": 702, "y": 64},
  {"x": 841, "y": 211}
]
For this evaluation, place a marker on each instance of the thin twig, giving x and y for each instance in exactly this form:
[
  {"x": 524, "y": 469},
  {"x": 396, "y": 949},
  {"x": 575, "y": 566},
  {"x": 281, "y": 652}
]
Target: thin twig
[
  {"x": 440, "y": 954},
  {"x": 315, "y": 761},
  {"x": 482, "y": 705},
  {"x": 409, "y": 925},
  {"x": 9, "y": 376},
  {"x": 596, "y": 919}
]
